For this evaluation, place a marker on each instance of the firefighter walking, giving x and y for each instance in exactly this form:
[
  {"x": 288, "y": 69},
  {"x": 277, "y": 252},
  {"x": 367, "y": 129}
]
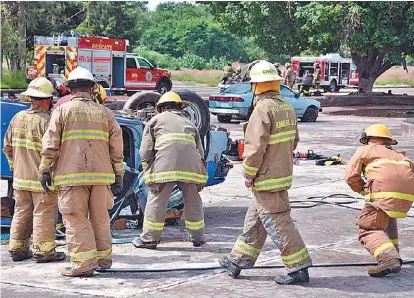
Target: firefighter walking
[
  {"x": 35, "y": 208},
  {"x": 270, "y": 138},
  {"x": 389, "y": 194},
  {"x": 288, "y": 75},
  {"x": 83, "y": 145},
  {"x": 317, "y": 77},
  {"x": 172, "y": 154}
]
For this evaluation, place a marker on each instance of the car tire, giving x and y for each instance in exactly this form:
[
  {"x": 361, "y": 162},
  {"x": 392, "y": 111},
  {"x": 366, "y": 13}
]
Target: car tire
[
  {"x": 163, "y": 87},
  {"x": 332, "y": 86},
  {"x": 142, "y": 100},
  {"x": 114, "y": 105},
  {"x": 311, "y": 114},
  {"x": 224, "y": 118}
]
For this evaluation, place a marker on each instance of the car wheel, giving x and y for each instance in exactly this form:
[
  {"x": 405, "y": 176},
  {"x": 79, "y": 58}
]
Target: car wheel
[
  {"x": 114, "y": 105},
  {"x": 224, "y": 118},
  {"x": 162, "y": 87},
  {"x": 333, "y": 86},
  {"x": 311, "y": 114}
]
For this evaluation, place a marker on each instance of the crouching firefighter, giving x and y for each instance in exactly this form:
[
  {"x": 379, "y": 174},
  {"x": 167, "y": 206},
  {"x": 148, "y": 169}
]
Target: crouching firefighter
[
  {"x": 389, "y": 193},
  {"x": 83, "y": 145},
  {"x": 35, "y": 208},
  {"x": 172, "y": 154},
  {"x": 270, "y": 138}
]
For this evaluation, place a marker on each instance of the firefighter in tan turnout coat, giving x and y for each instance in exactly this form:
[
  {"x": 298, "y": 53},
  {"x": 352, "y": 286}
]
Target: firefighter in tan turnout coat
[
  {"x": 35, "y": 209},
  {"x": 389, "y": 194},
  {"x": 271, "y": 136},
  {"x": 172, "y": 154},
  {"x": 83, "y": 146}
]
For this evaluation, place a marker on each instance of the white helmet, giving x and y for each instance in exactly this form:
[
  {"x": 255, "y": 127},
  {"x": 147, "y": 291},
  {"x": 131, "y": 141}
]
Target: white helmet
[
  {"x": 79, "y": 74},
  {"x": 40, "y": 88},
  {"x": 264, "y": 71}
]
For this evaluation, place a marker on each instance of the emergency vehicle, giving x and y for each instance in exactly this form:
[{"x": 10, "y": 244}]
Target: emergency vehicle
[
  {"x": 336, "y": 72},
  {"x": 107, "y": 58}
]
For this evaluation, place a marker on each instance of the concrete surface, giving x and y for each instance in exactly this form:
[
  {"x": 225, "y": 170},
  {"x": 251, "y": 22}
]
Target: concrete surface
[{"x": 328, "y": 231}]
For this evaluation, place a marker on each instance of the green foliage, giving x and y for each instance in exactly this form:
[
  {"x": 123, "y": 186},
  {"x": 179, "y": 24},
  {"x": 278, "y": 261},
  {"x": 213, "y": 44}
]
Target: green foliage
[
  {"x": 162, "y": 60},
  {"x": 13, "y": 80}
]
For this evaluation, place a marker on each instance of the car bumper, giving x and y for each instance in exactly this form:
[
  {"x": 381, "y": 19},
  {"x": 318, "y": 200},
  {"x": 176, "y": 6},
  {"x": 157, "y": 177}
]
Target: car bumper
[{"x": 224, "y": 111}]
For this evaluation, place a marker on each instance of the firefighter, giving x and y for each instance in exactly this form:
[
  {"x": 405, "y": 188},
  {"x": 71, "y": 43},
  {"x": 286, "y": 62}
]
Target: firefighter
[
  {"x": 98, "y": 95},
  {"x": 172, "y": 154},
  {"x": 288, "y": 75},
  {"x": 84, "y": 145},
  {"x": 228, "y": 70},
  {"x": 271, "y": 137},
  {"x": 389, "y": 193},
  {"x": 317, "y": 77},
  {"x": 279, "y": 72},
  {"x": 34, "y": 209}
]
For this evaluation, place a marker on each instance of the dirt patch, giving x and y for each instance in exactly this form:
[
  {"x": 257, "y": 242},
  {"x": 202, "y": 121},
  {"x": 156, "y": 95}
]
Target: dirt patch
[
  {"x": 403, "y": 113},
  {"x": 363, "y": 100}
]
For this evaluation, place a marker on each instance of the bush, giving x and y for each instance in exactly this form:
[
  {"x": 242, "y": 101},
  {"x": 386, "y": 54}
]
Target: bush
[
  {"x": 192, "y": 61},
  {"x": 16, "y": 80}
]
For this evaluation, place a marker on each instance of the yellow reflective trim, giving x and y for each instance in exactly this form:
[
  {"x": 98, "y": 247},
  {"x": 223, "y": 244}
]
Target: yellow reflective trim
[
  {"x": 246, "y": 249},
  {"x": 33, "y": 185},
  {"x": 144, "y": 165},
  {"x": 396, "y": 214},
  {"x": 249, "y": 247},
  {"x": 85, "y": 178},
  {"x": 104, "y": 254},
  {"x": 59, "y": 226},
  {"x": 28, "y": 144},
  {"x": 118, "y": 166},
  {"x": 394, "y": 241},
  {"x": 382, "y": 247},
  {"x": 176, "y": 176},
  {"x": 270, "y": 184},
  {"x": 249, "y": 170},
  {"x": 195, "y": 225},
  {"x": 281, "y": 137},
  {"x": 83, "y": 256},
  {"x": 153, "y": 225},
  {"x": 296, "y": 257},
  {"x": 16, "y": 244},
  {"x": 175, "y": 137},
  {"x": 390, "y": 194},
  {"x": 89, "y": 134},
  {"x": 46, "y": 246},
  {"x": 382, "y": 161},
  {"x": 46, "y": 163}
]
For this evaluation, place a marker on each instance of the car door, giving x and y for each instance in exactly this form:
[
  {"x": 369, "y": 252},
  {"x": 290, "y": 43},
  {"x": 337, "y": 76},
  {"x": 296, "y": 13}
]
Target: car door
[
  {"x": 132, "y": 74},
  {"x": 147, "y": 76},
  {"x": 290, "y": 96}
]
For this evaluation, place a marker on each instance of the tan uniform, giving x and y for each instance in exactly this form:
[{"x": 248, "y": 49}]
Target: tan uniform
[
  {"x": 317, "y": 78},
  {"x": 389, "y": 194},
  {"x": 35, "y": 209},
  {"x": 270, "y": 139},
  {"x": 83, "y": 145},
  {"x": 289, "y": 80},
  {"x": 172, "y": 153},
  {"x": 228, "y": 71}
]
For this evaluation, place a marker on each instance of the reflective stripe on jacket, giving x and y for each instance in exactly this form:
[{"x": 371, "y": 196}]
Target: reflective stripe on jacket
[
  {"x": 171, "y": 150},
  {"x": 271, "y": 136},
  {"x": 83, "y": 144},
  {"x": 389, "y": 175},
  {"x": 22, "y": 147}
]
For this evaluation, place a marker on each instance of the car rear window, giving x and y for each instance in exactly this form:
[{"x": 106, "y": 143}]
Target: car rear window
[{"x": 239, "y": 88}]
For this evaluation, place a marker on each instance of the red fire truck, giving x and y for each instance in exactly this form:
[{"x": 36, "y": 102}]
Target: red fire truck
[
  {"x": 336, "y": 72},
  {"x": 107, "y": 59}
]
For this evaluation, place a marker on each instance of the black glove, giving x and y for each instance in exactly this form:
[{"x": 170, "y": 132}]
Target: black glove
[
  {"x": 118, "y": 185},
  {"x": 46, "y": 180}
]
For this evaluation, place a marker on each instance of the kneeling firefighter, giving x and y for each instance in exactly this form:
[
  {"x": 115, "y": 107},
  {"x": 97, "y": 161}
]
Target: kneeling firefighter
[
  {"x": 389, "y": 194},
  {"x": 271, "y": 137},
  {"x": 35, "y": 208},
  {"x": 172, "y": 154}
]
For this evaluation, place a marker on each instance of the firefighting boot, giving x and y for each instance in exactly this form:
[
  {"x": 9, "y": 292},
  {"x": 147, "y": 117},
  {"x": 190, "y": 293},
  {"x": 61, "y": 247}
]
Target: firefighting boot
[
  {"x": 139, "y": 243},
  {"x": 232, "y": 269},
  {"x": 105, "y": 264},
  {"x": 197, "y": 243},
  {"x": 71, "y": 272},
  {"x": 20, "y": 255},
  {"x": 383, "y": 269},
  {"x": 294, "y": 278},
  {"x": 51, "y": 257}
]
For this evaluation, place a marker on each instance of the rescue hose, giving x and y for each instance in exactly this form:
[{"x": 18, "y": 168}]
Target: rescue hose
[{"x": 149, "y": 270}]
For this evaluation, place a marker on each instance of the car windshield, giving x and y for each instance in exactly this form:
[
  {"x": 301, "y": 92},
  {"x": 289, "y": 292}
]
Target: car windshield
[
  {"x": 286, "y": 92},
  {"x": 240, "y": 88}
]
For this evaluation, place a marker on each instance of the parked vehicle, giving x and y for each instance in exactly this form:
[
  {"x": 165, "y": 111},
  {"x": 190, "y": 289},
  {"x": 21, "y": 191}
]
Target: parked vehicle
[
  {"x": 336, "y": 72},
  {"x": 235, "y": 103},
  {"x": 132, "y": 121},
  {"x": 107, "y": 58}
]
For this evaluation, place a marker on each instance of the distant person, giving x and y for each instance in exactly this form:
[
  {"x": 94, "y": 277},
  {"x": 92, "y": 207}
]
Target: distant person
[
  {"x": 288, "y": 75},
  {"x": 228, "y": 70},
  {"x": 277, "y": 65},
  {"x": 317, "y": 77}
]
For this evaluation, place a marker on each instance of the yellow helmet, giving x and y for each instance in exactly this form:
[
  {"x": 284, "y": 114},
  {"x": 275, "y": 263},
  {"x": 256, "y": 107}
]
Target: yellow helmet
[
  {"x": 287, "y": 64},
  {"x": 169, "y": 97},
  {"x": 264, "y": 71},
  {"x": 377, "y": 130},
  {"x": 99, "y": 94},
  {"x": 39, "y": 88}
]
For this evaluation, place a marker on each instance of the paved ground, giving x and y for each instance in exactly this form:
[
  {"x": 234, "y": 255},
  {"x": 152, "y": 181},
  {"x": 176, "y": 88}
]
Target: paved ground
[{"x": 329, "y": 232}]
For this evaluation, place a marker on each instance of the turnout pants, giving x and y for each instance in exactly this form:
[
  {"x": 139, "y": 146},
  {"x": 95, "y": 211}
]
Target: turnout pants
[
  {"x": 269, "y": 213},
  {"x": 33, "y": 212},
  {"x": 156, "y": 208},
  {"x": 85, "y": 216},
  {"x": 378, "y": 233}
]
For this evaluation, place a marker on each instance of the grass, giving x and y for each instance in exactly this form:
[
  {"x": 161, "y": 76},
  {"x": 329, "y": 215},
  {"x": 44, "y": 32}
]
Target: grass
[
  {"x": 15, "y": 80},
  {"x": 208, "y": 77},
  {"x": 397, "y": 76}
]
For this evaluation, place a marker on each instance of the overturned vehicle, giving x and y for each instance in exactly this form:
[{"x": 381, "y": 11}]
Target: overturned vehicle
[{"x": 132, "y": 116}]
